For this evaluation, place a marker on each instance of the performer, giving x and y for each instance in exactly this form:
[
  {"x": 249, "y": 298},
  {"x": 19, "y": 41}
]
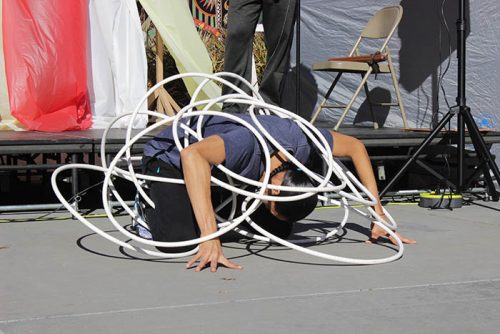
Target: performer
[
  {"x": 278, "y": 20},
  {"x": 184, "y": 212}
]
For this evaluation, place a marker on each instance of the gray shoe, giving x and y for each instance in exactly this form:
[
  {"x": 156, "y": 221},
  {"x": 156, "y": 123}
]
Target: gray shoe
[{"x": 139, "y": 222}]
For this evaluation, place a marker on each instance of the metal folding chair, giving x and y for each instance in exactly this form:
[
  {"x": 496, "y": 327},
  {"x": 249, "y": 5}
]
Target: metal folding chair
[{"x": 381, "y": 27}]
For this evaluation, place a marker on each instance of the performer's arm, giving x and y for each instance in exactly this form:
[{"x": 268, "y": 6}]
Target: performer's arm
[
  {"x": 347, "y": 146},
  {"x": 196, "y": 163}
]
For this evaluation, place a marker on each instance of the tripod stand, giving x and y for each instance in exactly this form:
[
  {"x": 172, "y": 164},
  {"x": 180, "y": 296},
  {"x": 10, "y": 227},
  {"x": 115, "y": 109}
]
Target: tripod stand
[{"x": 464, "y": 119}]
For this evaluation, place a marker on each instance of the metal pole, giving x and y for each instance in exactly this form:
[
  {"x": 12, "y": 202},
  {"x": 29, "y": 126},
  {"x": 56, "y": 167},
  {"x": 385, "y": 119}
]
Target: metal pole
[
  {"x": 297, "y": 59},
  {"x": 461, "y": 100}
]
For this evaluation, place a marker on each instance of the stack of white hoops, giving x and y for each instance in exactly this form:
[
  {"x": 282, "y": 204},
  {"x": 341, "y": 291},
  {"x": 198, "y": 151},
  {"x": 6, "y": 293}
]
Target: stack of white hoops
[{"x": 354, "y": 197}]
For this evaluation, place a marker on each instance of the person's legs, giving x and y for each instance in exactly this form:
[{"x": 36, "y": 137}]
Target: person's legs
[
  {"x": 243, "y": 16},
  {"x": 279, "y": 19},
  {"x": 172, "y": 219}
]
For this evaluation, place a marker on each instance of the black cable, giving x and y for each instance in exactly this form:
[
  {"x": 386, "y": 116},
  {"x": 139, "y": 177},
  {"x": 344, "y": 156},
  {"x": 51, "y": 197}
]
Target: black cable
[{"x": 442, "y": 73}]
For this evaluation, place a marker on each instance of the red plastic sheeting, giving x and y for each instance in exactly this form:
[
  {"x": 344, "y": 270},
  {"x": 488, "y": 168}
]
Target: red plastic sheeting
[{"x": 45, "y": 63}]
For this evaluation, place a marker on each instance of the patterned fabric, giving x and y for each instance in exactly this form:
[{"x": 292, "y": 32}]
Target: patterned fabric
[{"x": 211, "y": 12}]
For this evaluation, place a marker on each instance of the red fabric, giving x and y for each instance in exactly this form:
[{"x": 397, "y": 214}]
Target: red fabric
[{"x": 45, "y": 63}]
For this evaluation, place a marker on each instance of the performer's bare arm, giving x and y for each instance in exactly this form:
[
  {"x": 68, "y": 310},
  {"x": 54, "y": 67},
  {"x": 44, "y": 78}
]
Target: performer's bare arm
[
  {"x": 196, "y": 164},
  {"x": 347, "y": 146}
]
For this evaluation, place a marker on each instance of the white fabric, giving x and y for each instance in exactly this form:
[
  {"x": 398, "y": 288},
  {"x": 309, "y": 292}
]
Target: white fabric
[
  {"x": 118, "y": 65},
  {"x": 174, "y": 22}
]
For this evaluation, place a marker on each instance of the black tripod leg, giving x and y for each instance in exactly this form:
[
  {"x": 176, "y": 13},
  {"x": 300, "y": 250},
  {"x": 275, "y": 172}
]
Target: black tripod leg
[
  {"x": 483, "y": 153},
  {"x": 484, "y": 168},
  {"x": 491, "y": 186},
  {"x": 415, "y": 155}
]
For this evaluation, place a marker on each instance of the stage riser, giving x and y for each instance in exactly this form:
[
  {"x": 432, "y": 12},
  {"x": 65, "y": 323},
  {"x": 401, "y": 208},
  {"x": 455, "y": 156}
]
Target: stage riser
[{"x": 388, "y": 148}]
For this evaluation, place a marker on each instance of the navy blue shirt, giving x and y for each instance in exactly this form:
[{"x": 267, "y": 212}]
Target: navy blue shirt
[{"x": 244, "y": 154}]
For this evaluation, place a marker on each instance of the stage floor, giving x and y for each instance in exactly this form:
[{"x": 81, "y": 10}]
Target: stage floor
[{"x": 60, "y": 277}]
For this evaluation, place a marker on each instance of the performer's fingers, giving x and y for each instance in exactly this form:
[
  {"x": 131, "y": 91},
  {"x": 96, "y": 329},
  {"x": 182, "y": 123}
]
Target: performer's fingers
[
  {"x": 231, "y": 265},
  {"x": 190, "y": 263},
  {"x": 201, "y": 265},
  {"x": 375, "y": 237},
  {"x": 406, "y": 240},
  {"x": 213, "y": 265}
]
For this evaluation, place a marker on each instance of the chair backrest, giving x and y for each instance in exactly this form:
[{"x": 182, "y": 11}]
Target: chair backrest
[
  {"x": 383, "y": 23},
  {"x": 381, "y": 26}
]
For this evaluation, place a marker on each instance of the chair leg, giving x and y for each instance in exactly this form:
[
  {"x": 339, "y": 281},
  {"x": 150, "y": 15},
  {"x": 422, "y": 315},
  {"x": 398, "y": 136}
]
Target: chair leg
[
  {"x": 325, "y": 99},
  {"x": 398, "y": 94},
  {"x": 356, "y": 93},
  {"x": 370, "y": 105},
  {"x": 318, "y": 110}
]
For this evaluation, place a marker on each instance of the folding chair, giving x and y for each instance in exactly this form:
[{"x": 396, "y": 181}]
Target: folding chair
[{"x": 380, "y": 27}]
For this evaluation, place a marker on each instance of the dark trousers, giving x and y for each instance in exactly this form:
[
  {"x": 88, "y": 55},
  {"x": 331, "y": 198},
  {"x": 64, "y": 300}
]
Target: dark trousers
[
  {"x": 278, "y": 21},
  {"x": 173, "y": 218}
]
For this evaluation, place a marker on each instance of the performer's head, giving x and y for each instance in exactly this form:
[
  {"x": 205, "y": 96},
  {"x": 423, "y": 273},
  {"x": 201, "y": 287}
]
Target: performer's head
[{"x": 292, "y": 211}]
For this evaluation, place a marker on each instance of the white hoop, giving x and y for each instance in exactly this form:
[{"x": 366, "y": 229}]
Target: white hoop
[{"x": 349, "y": 188}]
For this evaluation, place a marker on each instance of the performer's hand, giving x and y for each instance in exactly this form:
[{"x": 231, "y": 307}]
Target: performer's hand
[
  {"x": 377, "y": 232},
  {"x": 210, "y": 253}
]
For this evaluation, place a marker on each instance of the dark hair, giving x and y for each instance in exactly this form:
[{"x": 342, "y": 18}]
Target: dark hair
[{"x": 295, "y": 210}]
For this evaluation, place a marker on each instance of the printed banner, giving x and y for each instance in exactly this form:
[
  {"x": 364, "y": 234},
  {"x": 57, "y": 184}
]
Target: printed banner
[{"x": 211, "y": 12}]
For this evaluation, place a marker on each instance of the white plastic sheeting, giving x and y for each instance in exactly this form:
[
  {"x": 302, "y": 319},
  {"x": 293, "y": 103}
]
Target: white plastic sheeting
[
  {"x": 118, "y": 66},
  {"x": 174, "y": 22},
  {"x": 420, "y": 51}
]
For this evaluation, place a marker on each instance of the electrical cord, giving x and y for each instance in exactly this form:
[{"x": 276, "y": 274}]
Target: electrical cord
[{"x": 442, "y": 73}]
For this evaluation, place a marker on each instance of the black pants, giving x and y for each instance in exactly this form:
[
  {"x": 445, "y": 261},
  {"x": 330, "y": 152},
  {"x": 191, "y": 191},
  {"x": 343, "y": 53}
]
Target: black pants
[
  {"x": 173, "y": 218},
  {"x": 278, "y": 21}
]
